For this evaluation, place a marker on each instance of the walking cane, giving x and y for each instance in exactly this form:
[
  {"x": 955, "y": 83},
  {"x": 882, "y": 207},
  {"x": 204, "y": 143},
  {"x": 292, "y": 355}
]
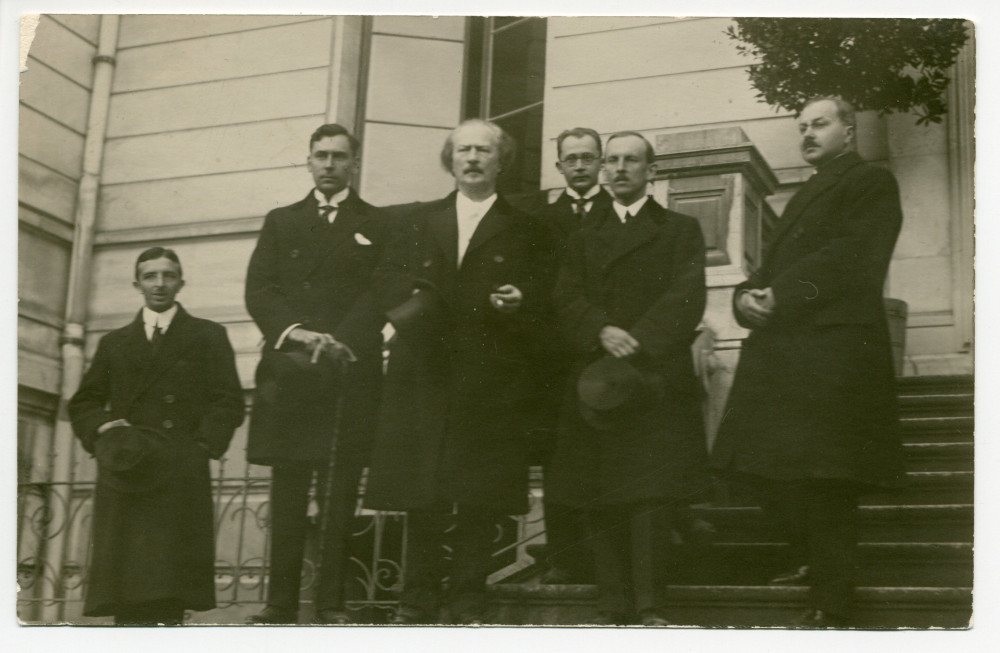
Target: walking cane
[{"x": 344, "y": 359}]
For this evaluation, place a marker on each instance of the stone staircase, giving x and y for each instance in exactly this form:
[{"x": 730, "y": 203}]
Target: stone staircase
[{"x": 916, "y": 566}]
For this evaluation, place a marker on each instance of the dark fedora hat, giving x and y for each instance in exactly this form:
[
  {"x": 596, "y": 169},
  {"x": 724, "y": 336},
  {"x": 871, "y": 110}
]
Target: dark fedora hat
[
  {"x": 613, "y": 392},
  {"x": 290, "y": 380},
  {"x": 134, "y": 458},
  {"x": 424, "y": 310}
]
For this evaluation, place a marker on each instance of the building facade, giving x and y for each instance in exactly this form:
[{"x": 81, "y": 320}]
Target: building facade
[{"x": 185, "y": 131}]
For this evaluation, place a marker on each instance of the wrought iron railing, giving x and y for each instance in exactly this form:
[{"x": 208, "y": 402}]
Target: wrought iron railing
[{"x": 60, "y": 512}]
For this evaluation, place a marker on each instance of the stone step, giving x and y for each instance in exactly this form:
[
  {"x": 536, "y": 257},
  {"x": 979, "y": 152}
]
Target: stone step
[
  {"x": 924, "y": 488},
  {"x": 739, "y": 606},
  {"x": 926, "y": 523},
  {"x": 957, "y": 404},
  {"x": 937, "y": 429},
  {"x": 938, "y": 456},
  {"x": 924, "y": 385},
  {"x": 891, "y": 564}
]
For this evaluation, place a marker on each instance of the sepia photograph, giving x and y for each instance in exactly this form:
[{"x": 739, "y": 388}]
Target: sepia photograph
[{"x": 402, "y": 319}]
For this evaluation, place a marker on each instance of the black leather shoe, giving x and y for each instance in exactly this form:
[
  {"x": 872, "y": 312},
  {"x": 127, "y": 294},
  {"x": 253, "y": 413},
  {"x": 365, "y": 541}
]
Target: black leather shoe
[
  {"x": 819, "y": 619},
  {"x": 331, "y": 617},
  {"x": 794, "y": 577},
  {"x": 272, "y": 616}
]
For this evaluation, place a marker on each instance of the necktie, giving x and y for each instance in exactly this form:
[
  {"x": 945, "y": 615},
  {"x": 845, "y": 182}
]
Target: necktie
[
  {"x": 626, "y": 217},
  {"x": 580, "y": 207},
  {"x": 157, "y": 337},
  {"x": 326, "y": 211}
]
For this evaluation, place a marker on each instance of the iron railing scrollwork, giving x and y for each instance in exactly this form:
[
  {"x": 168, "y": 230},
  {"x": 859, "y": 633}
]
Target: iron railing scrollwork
[{"x": 377, "y": 552}]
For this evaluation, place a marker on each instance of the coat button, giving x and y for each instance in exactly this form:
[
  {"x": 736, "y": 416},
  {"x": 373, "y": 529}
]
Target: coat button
[
  {"x": 168, "y": 423},
  {"x": 306, "y": 285},
  {"x": 294, "y": 253},
  {"x": 169, "y": 399}
]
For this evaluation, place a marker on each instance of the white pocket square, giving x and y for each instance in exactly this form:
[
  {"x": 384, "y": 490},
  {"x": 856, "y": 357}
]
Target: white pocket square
[{"x": 361, "y": 240}]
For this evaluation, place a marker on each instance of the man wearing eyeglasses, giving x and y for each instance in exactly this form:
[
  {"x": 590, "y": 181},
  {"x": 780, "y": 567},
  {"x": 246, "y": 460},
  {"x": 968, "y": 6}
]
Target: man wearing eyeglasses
[
  {"x": 579, "y": 151},
  {"x": 579, "y": 161}
]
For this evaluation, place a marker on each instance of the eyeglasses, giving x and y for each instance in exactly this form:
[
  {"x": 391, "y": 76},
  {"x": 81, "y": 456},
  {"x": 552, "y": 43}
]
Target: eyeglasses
[{"x": 585, "y": 159}]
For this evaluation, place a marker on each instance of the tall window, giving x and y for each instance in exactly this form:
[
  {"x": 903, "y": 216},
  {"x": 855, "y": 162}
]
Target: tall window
[{"x": 505, "y": 83}]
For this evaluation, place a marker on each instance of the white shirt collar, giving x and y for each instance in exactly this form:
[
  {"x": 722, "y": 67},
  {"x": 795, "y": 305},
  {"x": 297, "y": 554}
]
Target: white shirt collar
[
  {"x": 153, "y": 319},
  {"x": 591, "y": 194},
  {"x": 466, "y": 207},
  {"x": 633, "y": 209},
  {"x": 334, "y": 201}
]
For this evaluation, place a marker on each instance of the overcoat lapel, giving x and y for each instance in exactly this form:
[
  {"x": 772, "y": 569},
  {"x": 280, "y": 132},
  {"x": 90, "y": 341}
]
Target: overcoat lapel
[
  {"x": 818, "y": 184},
  {"x": 442, "y": 231},
  {"x": 562, "y": 211},
  {"x": 177, "y": 339},
  {"x": 329, "y": 238},
  {"x": 639, "y": 230},
  {"x": 496, "y": 221},
  {"x": 304, "y": 228}
]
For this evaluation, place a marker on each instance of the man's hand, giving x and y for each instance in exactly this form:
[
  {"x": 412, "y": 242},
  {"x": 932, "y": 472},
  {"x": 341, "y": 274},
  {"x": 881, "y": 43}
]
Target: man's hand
[
  {"x": 320, "y": 343},
  {"x": 107, "y": 426},
  {"x": 618, "y": 342},
  {"x": 506, "y": 298},
  {"x": 756, "y": 305}
]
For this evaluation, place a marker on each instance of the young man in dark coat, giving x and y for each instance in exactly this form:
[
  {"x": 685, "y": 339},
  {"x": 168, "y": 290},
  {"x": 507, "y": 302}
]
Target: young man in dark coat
[
  {"x": 161, "y": 397},
  {"x": 632, "y": 289},
  {"x": 311, "y": 268},
  {"x": 579, "y": 152},
  {"x": 461, "y": 286},
  {"x": 812, "y": 419}
]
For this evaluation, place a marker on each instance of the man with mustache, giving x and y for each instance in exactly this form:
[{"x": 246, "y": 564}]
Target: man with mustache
[
  {"x": 812, "y": 420},
  {"x": 579, "y": 161},
  {"x": 630, "y": 294},
  {"x": 310, "y": 271},
  {"x": 462, "y": 285}
]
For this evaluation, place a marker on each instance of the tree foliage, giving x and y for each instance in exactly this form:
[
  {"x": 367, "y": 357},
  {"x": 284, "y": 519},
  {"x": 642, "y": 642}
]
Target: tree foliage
[{"x": 885, "y": 64}]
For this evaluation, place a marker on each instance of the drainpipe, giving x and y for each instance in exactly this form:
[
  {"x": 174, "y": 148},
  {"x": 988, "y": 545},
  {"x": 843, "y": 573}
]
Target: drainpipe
[{"x": 72, "y": 339}]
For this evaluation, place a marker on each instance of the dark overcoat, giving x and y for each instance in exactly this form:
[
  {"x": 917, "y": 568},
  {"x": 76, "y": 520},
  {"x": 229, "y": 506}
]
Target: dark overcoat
[
  {"x": 159, "y": 544},
  {"x": 814, "y": 396},
  {"x": 555, "y": 355},
  {"x": 309, "y": 272},
  {"x": 558, "y": 217},
  {"x": 647, "y": 277},
  {"x": 451, "y": 425}
]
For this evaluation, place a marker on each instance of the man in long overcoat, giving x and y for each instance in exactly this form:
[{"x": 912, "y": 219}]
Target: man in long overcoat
[
  {"x": 632, "y": 286},
  {"x": 461, "y": 286},
  {"x": 579, "y": 162},
  {"x": 311, "y": 268},
  {"x": 174, "y": 375},
  {"x": 812, "y": 418}
]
